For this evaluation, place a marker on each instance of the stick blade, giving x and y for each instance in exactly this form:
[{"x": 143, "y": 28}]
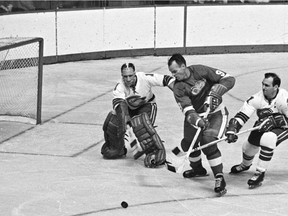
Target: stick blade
[
  {"x": 170, "y": 167},
  {"x": 173, "y": 168}
]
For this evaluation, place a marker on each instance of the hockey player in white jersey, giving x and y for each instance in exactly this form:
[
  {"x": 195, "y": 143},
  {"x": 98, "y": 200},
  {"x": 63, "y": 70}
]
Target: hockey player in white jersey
[
  {"x": 134, "y": 104},
  {"x": 271, "y": 106}
]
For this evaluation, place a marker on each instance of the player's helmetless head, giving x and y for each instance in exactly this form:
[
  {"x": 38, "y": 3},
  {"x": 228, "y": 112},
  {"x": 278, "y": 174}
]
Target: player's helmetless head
[
  {"x": 177, "y": 66},
  {"x": 270, "y": 85},
  {"x": 128, "y": 74}
]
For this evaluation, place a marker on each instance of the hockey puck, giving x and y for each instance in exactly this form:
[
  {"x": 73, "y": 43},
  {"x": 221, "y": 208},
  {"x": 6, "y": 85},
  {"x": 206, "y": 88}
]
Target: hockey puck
[{"x": 124, "y": 204}]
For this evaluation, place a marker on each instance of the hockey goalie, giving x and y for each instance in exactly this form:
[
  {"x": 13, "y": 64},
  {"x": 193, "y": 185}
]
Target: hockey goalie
[{"x": 134, "y": 107}]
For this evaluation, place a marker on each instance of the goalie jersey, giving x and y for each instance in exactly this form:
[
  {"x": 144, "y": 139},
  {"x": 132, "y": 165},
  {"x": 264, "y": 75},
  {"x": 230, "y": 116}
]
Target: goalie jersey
[
  {"x": 258, "y": 102},
  {"x": 143, "y": 87}
]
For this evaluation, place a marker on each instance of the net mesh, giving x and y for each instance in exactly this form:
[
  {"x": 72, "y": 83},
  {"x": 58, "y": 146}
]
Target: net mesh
[{"x": 19, "y": 78}]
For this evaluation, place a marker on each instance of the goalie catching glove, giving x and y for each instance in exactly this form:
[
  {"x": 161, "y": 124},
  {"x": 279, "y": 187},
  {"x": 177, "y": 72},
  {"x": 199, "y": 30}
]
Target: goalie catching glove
[
  {"x": 214, "y": 98},
  {"x": 271, "y": 122}
]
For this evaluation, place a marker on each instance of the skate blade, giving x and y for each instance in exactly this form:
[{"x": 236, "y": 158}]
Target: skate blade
[
  {"x": 222, "y": 193},
  {"x": 196, "y": 176},
  {"x": 255, "y": 186},
  {"x": 200, "y": 176}
]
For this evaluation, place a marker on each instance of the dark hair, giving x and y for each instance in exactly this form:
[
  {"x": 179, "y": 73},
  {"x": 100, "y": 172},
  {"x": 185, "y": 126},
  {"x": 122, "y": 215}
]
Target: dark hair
[
  {"x": 128, "y": 65},
  {"x": 178, "y": 58},
  {"x": 276, "y": 78}
]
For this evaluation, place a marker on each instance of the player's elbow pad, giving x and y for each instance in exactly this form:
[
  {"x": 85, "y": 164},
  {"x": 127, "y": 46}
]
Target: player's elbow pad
[{"x": 228, "y": 82}]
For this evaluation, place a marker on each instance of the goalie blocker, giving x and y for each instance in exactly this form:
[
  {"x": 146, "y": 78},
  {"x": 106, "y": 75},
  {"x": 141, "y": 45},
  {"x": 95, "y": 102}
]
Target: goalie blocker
[{"x": 149, "y": 140}]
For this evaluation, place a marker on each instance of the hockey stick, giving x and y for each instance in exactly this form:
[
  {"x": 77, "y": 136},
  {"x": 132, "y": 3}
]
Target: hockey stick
[
  {"x": 179, "y": 169},
  {"x": 222, "y": 139},
  {"x": 169, "y": 165}
]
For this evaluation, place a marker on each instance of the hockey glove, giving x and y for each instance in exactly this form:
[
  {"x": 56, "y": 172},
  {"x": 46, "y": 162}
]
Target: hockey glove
[
  {"x": 264, "y": 113},
  {"x": 232, "y": 129},
  {"x": 195, "y": 120},
  {"x": 214, "y": 98},
  {"x": 273, "y": 121}
]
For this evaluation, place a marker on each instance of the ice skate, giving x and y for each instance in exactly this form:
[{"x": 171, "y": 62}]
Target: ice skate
[
  {"x": 256, "y": 180},
  {"x": 239, "y": 168},
  {"x": 199, "y": 172},
  {"x": 220, "y": 185}
]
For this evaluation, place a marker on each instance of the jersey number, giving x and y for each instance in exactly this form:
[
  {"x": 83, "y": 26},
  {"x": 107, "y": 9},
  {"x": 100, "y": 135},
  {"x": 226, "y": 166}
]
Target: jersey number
[{"x": 220, "y": 73}]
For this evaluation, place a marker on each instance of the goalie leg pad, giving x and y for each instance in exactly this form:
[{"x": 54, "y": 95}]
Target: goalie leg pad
[
  {"x": 110, "y": 127},
  {"x": 122, "y": 117},
  {"x": 114, "y": 145},
  {"x": 110, "y": 152},
  {"x": 147, "y": 135}
]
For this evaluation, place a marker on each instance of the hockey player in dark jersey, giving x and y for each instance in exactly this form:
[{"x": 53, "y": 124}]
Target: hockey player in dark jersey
[
  {"x": 197, "y": 88},
  {"x": 134, "y": 104},
  {"x": 271, "y": 106}
]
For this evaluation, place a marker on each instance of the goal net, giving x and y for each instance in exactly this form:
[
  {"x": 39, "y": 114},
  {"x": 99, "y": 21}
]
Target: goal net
[{"x": 21, "y": 79}]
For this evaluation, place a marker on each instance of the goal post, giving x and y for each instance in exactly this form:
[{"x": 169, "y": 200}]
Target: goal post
[{"x": 21, "y": 74}]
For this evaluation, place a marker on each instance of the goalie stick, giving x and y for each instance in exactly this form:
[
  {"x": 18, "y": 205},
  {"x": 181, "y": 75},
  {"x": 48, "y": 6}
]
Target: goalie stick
[{"x": 179, "y": 169}]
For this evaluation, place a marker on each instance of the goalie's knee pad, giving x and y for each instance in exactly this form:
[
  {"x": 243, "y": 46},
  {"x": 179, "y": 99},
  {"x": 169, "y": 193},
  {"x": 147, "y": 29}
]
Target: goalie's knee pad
[{"x": 146, "y": 133}]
